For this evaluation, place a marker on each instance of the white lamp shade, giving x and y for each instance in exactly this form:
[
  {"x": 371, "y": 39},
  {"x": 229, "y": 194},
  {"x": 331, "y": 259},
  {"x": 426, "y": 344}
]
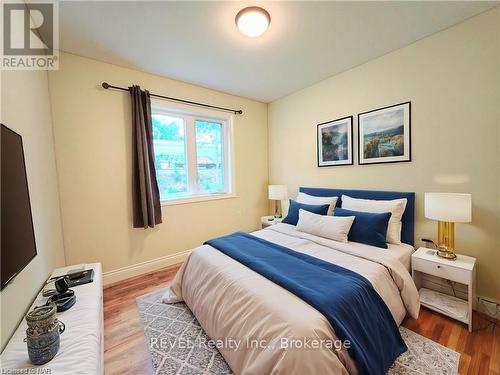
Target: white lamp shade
[
  {"x": 278, "y": 192},
  {"x": 452, "y": 207}
]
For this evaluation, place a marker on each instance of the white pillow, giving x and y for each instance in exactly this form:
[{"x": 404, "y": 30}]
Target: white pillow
[
  {"x": 333, "y": 227},
  {"x": 311, "y": 199},
  {"x": 396, "y": 207}
]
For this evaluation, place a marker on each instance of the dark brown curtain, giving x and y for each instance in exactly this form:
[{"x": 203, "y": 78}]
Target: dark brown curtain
[{"x": 145, "y": 193}]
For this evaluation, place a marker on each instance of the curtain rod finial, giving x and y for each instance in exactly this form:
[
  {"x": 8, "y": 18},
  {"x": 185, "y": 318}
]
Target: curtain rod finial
[
  {"x": 240, "y": 112},
  {"x": 105, "y": 85}
]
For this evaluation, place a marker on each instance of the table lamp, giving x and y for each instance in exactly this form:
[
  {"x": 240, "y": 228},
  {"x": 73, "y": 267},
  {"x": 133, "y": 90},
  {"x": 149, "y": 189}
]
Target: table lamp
[
  {"x": 277, "y": 193},
  {"x": 448, "y": 209}
]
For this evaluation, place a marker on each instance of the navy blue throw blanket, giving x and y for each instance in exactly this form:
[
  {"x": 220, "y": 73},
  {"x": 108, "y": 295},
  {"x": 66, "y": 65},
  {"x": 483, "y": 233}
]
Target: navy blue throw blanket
[{"x": 350, "y": 303}]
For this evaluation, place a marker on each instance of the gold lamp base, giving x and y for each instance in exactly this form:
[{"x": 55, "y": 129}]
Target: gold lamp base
[
  {"x": 277, "y": 212},
  {"x": 446, "y": 240},
  {"x": 450, "y": 255}
]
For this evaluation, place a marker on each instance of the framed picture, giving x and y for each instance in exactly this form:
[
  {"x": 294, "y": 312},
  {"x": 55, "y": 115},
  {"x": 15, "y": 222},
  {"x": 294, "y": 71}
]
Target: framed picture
[
  {"x": 334, "y": 143},
  {"x": 384, "y": 135}
]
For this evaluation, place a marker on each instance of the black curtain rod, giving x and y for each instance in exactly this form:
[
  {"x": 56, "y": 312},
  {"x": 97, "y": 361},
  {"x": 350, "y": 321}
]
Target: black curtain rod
[{"x": 106, "y": 85}]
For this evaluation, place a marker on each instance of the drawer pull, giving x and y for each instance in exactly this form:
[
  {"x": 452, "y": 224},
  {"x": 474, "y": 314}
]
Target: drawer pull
[{"x": 439, "y": 266}]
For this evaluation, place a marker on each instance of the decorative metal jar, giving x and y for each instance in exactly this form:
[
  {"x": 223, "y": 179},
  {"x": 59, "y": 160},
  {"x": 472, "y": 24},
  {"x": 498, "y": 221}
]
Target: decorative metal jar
[{"x": 42, "y": 334}]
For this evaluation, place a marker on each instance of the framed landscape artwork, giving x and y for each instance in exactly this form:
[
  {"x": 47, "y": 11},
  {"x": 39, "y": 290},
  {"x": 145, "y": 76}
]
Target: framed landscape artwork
[
  {"x": 384, "y": 135},
  {"x": 334, "y": 145}
]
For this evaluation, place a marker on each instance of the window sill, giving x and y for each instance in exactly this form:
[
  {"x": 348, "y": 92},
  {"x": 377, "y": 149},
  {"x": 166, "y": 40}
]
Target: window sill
[{"x": 198, "y": 198}]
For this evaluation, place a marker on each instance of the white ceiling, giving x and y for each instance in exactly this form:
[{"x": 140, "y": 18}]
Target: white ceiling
[{"x": 198, "y": 42}]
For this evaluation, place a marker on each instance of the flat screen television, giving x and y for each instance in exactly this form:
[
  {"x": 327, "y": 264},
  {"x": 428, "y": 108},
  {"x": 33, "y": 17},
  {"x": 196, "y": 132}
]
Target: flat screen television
[{"x": 18, "y": 238}]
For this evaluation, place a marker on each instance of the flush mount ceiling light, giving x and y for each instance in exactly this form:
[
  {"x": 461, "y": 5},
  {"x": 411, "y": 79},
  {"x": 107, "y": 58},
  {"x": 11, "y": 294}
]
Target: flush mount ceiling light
[{"x": 253, "y": 21}]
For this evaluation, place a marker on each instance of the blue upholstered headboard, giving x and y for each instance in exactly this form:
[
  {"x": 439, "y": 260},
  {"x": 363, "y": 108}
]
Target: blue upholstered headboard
[{"x": 407, "y": 221}]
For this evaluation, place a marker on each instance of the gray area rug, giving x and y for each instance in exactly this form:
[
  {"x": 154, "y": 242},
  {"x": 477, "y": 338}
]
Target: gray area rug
[{"x": 178, "y": 346}]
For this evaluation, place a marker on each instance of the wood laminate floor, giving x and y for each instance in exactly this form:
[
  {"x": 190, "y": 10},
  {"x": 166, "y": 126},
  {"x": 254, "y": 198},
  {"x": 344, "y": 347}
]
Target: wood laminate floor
[{"x": 125, "y": 350}]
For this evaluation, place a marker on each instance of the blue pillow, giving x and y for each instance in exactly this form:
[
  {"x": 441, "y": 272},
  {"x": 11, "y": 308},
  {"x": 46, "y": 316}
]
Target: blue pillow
[
  {"x": 368, "y": 228},
  {"x": 293, "y": 211}
]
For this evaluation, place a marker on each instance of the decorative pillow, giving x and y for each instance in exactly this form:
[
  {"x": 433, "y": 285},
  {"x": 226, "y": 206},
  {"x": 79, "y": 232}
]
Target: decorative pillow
[
  {"x": 332, "y": 227},
  {"x": 368, "y": 227},
  {"x": 293, "y": 211},
  {"x": 396, "y": 207},
  {"x": 311, "y": 199}
]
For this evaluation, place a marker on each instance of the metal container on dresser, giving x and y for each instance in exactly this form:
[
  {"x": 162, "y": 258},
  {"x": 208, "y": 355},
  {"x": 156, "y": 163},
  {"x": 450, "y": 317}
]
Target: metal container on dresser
[{"x": 42, "y": 334}]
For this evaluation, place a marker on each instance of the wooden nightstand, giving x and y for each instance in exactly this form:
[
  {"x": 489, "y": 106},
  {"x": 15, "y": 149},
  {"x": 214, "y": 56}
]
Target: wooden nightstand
[
  {"x": 461, "y": 270},
  {"x": 267, "y": 221}
]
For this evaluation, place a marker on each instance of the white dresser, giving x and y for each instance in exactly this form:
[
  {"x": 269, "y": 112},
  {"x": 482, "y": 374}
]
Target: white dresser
[
  {"x": 267, "y": 221},
  {"x": 82, "y": 343},
  {"x": 461, "y": 270}
]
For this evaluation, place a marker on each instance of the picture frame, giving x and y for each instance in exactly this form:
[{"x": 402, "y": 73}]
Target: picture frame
[
  {"x": 334, "y": 142},
  {"x": 384, "y": 135}
]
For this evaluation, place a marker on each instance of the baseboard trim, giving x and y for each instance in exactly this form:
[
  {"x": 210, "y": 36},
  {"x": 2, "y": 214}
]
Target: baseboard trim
[{"x": 143, "y": 267}]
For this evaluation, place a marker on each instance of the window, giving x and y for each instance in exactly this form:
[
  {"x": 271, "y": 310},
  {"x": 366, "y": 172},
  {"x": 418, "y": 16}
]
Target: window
[{"x": 192, "y": 154}]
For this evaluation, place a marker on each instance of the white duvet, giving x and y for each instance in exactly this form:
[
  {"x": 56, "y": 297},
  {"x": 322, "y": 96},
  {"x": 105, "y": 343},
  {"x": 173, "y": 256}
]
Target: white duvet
[{"x": 232, "y": 301}]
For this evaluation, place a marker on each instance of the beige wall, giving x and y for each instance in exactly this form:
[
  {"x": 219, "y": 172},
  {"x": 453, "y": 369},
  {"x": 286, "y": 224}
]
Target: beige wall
[
  {"x": 92, "y": 130},
  {"x": 452, "y": 79},
  {"x": 26, "y": 110}
]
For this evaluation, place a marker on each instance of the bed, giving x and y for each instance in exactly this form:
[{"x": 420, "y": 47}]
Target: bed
[{"x": 231, "y": 300}]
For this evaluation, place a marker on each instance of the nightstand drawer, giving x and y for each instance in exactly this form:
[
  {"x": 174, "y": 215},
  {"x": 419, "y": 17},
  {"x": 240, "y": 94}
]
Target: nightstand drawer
[{"x": 442, "y": 270}]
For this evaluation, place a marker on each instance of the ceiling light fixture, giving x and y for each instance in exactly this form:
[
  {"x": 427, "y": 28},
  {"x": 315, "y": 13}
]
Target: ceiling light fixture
[{"x": 253, "y": 21}]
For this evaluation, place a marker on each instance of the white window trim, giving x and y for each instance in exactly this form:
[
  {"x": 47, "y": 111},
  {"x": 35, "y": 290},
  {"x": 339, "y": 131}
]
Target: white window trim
[
  {"x": 198, "y": 198},
  {"x": 229, "y": 162}
]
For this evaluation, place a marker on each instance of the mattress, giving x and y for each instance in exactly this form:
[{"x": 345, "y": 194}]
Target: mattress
[{"x": 232, "y": 301}]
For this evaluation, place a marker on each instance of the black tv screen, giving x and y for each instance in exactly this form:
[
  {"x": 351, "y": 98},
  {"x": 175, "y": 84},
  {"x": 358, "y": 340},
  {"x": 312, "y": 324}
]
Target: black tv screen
[{"x": 18, "y": 238}]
